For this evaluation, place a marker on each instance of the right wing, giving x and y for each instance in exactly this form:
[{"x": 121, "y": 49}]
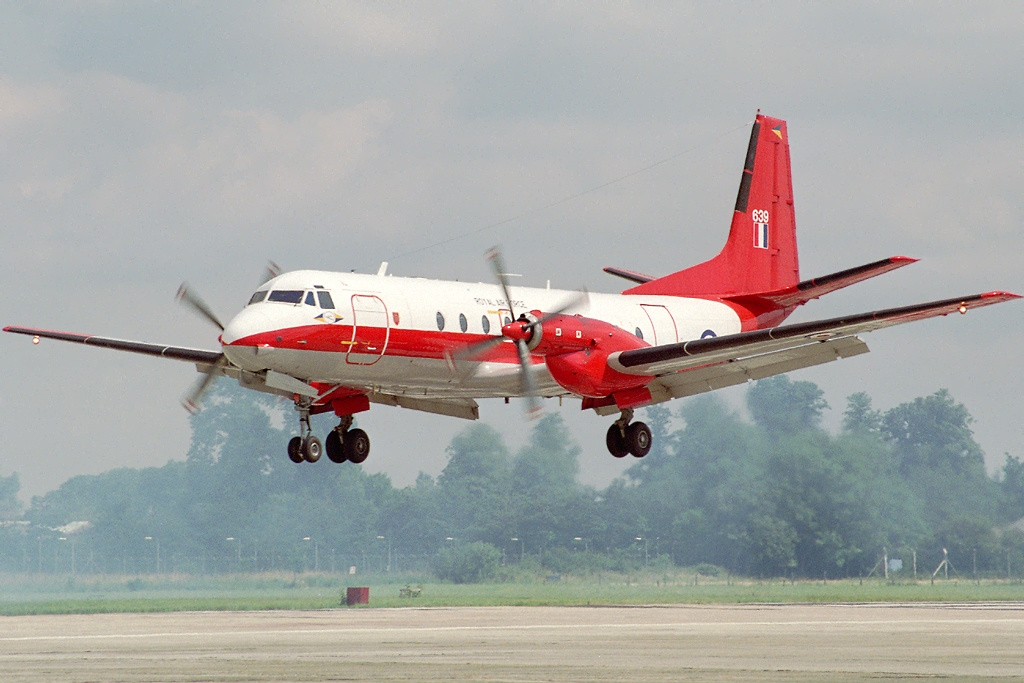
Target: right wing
[{"x": 197, "y": 356}]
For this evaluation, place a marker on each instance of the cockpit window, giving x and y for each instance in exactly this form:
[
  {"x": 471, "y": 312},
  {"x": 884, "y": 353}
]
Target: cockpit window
[
  {"x": 325, "y": 300},
  {"x": 310, "y": 299},
  {"x": 286, "y": 296},
  {"x": 257, "y": 297}
]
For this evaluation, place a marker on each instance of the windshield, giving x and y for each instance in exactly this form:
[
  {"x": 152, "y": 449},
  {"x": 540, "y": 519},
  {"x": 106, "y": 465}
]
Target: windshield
[
  {"x": 257, "y": 297},
  {"x": 286, "y": 296}
]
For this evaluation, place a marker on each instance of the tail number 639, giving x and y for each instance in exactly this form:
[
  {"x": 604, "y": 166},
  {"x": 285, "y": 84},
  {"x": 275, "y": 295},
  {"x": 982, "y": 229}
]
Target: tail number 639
[{"x": 760, "y": 215}]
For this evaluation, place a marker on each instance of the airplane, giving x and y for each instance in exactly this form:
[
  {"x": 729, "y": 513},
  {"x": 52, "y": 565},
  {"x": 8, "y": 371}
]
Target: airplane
[{"x": 339, "y": 342}]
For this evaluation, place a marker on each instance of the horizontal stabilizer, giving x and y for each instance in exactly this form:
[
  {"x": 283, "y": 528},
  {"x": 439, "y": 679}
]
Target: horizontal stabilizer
[
  {"x": 807, "y": 290},
  {"x": 630, "y": 275}
]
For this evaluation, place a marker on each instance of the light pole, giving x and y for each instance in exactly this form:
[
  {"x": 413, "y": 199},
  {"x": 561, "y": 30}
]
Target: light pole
[
  {"x": 63, "y": 538},
  {"x": 521, "y": 553},
  {"x": 316, "y": 553},
  {"x": 381, "y": 538},
  {"x": 644, "y": 539},
  {"x": 157, "y": 540},
  {"x": 238, "y": 543}
]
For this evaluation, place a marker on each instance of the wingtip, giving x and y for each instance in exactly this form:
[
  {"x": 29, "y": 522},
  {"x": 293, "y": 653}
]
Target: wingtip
[
  {"x": 906, "y": 260},
  {"x": 1001, "y": 295}
]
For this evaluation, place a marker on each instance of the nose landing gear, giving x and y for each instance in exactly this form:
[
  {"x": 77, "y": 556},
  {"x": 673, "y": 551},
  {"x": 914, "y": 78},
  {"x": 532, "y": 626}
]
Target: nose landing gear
[
  {"x": 628, "y": 438},
  {"x": 305, "y": 447},
  {"x": 343, "y": 444}
]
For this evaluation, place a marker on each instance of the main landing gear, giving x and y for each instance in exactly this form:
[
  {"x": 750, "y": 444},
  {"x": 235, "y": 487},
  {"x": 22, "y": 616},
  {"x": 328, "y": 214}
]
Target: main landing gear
[
  {"x": 343, "y": 444},
  {"x": 625, "y": 438}
]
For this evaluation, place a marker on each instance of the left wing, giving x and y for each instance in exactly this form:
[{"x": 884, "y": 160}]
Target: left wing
[
  {"x": 786, "y": 345},
  {"x": 197, "y": 356}
]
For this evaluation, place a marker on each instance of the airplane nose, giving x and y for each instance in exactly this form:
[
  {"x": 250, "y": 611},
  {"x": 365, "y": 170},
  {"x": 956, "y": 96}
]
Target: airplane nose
[
  {"x": 241, "y": 338},
  {"x": 248, "y": 323}
]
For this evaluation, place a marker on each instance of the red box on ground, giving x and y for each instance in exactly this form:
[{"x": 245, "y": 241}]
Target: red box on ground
[{"x": 357, "y": 595}]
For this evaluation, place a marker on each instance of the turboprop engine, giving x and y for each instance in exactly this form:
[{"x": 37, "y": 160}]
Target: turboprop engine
[{"x": 576, "y": 350}]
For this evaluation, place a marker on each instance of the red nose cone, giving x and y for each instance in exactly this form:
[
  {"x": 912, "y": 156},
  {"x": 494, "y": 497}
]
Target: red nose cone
[{"x": 516, "y": 331}]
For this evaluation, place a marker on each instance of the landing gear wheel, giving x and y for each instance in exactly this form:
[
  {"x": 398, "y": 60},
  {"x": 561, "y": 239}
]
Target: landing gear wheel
[
  {"x": 295, "y": 450},
  {"x": 638, "y": 439},
  {"x": 357, "y": 445},
  {"x": 334, "y": 447},
  {"x": 615, "y": 442},
  {"x": 312, "y": 449}
]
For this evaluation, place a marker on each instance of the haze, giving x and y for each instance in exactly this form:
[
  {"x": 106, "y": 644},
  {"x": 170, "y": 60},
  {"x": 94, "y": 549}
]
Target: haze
[{"x": 146, "y": 144}]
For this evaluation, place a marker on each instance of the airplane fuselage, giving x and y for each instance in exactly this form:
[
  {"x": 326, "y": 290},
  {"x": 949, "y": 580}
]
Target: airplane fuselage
[{"x": 404, "y": 335}]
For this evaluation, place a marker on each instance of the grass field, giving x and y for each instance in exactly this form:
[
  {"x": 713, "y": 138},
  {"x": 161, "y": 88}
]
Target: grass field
[{"x": 31, "y": 594}]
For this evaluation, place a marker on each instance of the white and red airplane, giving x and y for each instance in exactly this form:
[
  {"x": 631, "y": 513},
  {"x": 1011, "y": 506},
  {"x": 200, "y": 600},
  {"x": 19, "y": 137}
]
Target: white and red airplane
[{"x": 337, "y": 342}]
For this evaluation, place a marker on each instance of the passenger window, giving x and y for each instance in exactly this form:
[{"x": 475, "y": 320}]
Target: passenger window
[
  {"x": 286, "y": 296},
  {"x": 639, "y": 333},
  {"x": 463, "y": 323},
  {"x": 440, "y": 321},
  {"x": 257, "y": 297},
  {"x": 310, "y": 299},
  {"x": 325, "y": 300},
  {"x": 486, "y": 324},
  {"x": 508, "y": 320}
]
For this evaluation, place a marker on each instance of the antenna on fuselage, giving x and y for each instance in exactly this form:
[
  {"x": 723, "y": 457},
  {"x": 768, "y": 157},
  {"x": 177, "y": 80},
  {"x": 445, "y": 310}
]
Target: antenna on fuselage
[{"x": 383, "y": 269}]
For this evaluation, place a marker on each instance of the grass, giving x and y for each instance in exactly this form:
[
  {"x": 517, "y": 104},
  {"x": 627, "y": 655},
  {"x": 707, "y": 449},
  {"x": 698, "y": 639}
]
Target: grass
[{"x": 22, "y": 595}]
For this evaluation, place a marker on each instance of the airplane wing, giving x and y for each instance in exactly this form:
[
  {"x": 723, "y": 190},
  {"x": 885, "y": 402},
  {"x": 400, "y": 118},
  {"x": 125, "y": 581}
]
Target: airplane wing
[
  {"x": 197, "y": 356},
  {"x": 761, "y": 353}
]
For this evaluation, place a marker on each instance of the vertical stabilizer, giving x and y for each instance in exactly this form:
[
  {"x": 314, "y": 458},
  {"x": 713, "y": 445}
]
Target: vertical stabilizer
[{"x": 761, "y": 253}]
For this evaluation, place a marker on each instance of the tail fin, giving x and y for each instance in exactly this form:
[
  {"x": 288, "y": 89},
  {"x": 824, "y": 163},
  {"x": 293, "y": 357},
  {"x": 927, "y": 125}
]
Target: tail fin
[{"x": 761, "y": 253}]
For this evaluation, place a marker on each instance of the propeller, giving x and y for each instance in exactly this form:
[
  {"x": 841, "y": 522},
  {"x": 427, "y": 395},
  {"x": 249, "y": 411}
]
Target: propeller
[
  {"x": 520, "y": 331},
  {"x": 187, "y": 297},
  {"x": 192, "y": 399},
  {"x": 271, "y": 271}
]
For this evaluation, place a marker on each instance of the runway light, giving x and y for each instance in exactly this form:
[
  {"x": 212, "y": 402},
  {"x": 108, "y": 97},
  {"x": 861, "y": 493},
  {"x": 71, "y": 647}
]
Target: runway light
[{"x": 35, "y": 339}]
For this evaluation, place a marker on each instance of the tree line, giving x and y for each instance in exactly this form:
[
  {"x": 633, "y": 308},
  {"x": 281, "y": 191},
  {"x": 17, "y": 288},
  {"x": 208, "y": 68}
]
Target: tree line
[{"x": 775, "y": 495}]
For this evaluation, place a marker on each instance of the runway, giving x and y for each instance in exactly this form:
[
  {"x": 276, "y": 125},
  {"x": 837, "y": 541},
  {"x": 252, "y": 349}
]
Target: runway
[{"x": 878, "y": 642}]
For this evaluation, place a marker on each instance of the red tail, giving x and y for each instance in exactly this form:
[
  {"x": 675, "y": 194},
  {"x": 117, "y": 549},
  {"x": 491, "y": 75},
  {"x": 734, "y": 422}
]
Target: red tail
[{"x": 760, "y": 255}]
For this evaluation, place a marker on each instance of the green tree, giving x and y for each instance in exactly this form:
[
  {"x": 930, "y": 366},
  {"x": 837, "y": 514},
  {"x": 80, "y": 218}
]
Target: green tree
[
  {"x": 1011, "y": 484},
  {"x": 467, "y": 562},
  {"x": 859, "y": 417},
  {"x": 549, "y": 505},
  {"x": 473, "y": 487},
  {"x": 10, "y": 505},
  {"x": 782, "y": 407}
]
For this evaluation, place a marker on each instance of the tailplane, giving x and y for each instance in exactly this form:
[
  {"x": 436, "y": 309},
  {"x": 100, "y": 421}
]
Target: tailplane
[{"x": 761, "y": 254}]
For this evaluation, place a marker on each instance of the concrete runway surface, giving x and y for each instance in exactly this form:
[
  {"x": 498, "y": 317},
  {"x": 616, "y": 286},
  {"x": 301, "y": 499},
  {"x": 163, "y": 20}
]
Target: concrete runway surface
[{"x": 969, "y": 642}]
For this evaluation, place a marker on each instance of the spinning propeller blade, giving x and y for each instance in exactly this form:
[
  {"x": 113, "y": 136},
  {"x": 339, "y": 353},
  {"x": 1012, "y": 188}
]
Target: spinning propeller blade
[
  {"x": 271, "y": 271},
  {"x": 527, "y": 382},
  {"x": 192, "y": 400},
  {"x": 189, "y": 298}
]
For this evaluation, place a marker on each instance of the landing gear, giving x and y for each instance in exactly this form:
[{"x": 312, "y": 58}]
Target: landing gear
[
  {"x": 295, "y": 449},
  {"x": 333, "y": 446},
  {"x": 357, "y": 445},
  {"x": 624, "y": 437},
  {"x": 343, "y": 444}
]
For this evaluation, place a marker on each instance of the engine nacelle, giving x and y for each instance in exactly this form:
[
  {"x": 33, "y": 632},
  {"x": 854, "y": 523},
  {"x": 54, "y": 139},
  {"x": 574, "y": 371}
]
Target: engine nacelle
[{"x": 576, "y": 350}]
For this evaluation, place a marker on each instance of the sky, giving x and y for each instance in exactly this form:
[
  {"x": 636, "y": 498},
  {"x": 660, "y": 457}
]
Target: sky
[{"x": 144, "y": 144}]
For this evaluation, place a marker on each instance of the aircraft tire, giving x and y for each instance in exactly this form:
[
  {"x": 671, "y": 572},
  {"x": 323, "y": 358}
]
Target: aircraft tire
[
  {"x": 334, "y": 447},
  {"x": 638, "y": 439},
  {"x": 295, "y": 450},
  {"x": 312, "y": 449},
  {"x": 616, "y": 444},
  {"x": 357, "y": 445}
]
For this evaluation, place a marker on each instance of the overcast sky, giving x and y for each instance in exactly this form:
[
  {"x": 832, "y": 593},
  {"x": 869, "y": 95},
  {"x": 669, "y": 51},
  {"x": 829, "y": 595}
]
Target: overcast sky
[{"x": 143, "y": 144}]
